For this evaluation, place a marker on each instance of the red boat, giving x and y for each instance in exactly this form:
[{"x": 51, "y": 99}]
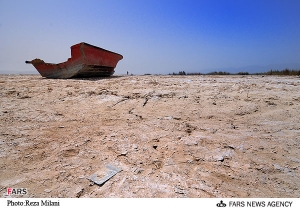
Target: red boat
[{"x": 86, "y": 61}]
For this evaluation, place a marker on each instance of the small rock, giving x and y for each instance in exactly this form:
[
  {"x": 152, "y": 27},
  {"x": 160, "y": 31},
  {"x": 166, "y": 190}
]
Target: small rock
[
  {"x": 168, "y": 117},
  {"x": 179, "y": 190},
  {"x": 135, "y": 147},
  {"x": 79, "y": 193},
  {"x": 278, "y": 167},
  {"x": 213, "y": 131},
  {"x": 47, "y": 190},
  {"x": 188, "y": 130},
  {"x": 123, "y": 153},
  {"x": 138, "y": 171}
]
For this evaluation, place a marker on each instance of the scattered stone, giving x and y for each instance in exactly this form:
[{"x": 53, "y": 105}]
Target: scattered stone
[
  {"x": 135, "y": 147},
  {"x": 80, "y": 192},
  {"x": 168, "y": 118},
  {"x": 176, "y": 118},
  {"x": 179, "y": 190},
  {"x": 213, "y": 131},
  {"x": 138, "y": 171}
]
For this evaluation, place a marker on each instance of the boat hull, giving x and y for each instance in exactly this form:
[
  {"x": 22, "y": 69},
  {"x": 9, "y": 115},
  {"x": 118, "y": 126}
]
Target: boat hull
[{"x": 86, "y": 61}]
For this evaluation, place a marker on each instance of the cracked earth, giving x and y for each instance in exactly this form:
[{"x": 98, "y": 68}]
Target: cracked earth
[{"x": 172, "y": 136}]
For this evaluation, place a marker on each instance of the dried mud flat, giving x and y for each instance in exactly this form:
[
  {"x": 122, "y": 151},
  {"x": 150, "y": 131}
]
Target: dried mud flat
[{"x": 172, "y": 136}]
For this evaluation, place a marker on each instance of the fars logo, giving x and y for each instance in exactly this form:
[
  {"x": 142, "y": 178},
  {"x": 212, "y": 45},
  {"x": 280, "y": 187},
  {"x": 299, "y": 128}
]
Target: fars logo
[
  {"x": 16, "y": 191},
  {"x": 221, "y": 204}
]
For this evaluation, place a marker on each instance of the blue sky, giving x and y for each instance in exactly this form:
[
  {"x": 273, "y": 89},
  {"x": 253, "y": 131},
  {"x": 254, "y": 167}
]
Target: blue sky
[{"x": 154, "y": 36}]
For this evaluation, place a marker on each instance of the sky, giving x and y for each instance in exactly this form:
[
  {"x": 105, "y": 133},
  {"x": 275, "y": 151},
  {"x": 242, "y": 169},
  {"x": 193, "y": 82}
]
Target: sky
[{"x": 154, "y": 36}]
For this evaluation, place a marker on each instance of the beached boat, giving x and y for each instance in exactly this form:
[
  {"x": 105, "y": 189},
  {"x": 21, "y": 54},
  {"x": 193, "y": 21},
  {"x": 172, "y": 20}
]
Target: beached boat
[{"x": 86, "y": 61}]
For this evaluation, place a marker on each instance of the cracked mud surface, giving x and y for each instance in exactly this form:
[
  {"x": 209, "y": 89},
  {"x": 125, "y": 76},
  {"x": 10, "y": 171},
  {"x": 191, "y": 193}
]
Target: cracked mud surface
[{"x": 172, "y": 136}]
